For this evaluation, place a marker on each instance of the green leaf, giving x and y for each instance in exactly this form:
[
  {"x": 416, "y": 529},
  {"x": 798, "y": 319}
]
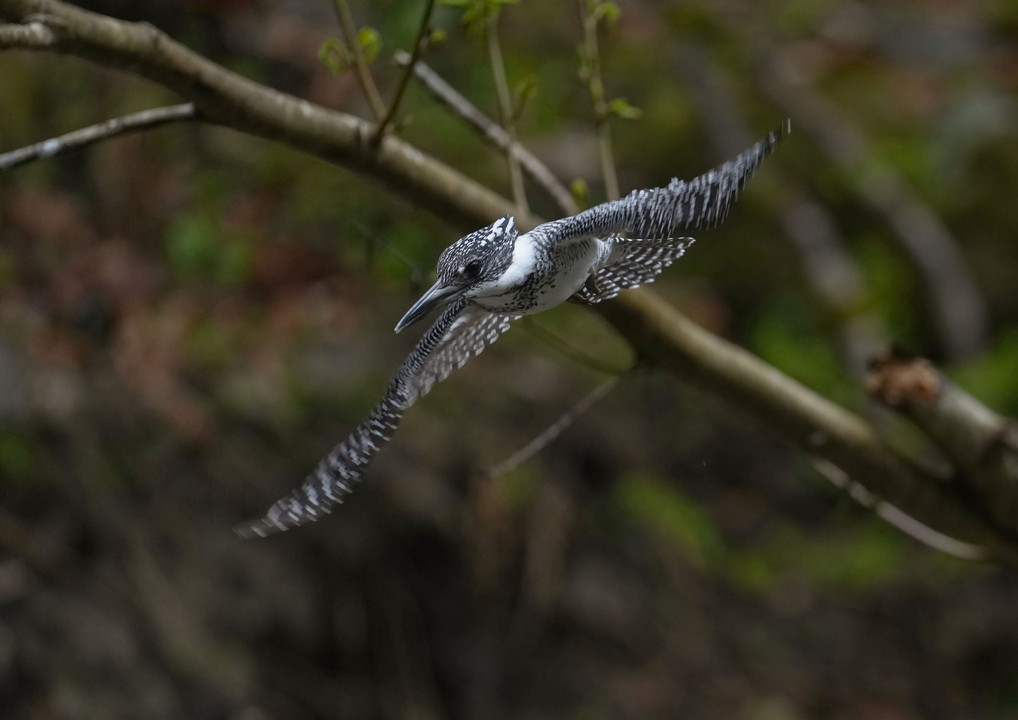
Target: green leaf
[
  {"x": 622, "y": 108},
  {"x": 584, "y": 66},
  {"x": 334, "y": 55},
  {"x": 478, "y": 13},
  {"x": 523, "y": 92},
  {"x": 580, "y": 191},
  {"x": 370, "y": 42},
  {"x": 436, "y": 37},
  {"x": 607, "y": 13}
]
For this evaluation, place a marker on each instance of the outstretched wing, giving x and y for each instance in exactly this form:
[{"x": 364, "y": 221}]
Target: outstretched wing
[
  {"x": 472, "y": 330},
  {"x": 461, "y": 332},
  {"x": 629, "y": 264},
  {"x": 656, "y": 214}
]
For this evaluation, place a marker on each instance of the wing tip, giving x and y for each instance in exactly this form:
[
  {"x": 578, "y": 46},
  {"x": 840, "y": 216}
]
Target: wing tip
[
  {"x": 785, "y": 129},
  {"x": 776, "y": 135},
  {"x": 260, "y": 528},
  {"x": 279, "y": 520}
]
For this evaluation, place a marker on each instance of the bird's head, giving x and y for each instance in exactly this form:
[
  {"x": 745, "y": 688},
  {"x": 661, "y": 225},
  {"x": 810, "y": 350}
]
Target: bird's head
[{"x": 474, "y": 259}]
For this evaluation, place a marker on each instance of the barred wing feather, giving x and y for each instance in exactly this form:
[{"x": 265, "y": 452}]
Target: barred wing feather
[
  {"x": 461, "y": 332},
  {"x": 656, "y": 214},
  {"x": 630, "y": 263}
]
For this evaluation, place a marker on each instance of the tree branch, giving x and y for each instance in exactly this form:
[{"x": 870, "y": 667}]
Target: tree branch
[
  {"x": 892, "y": 515},
  {"x": 143, "y": 120},
  {"x": 822, "y": 429},
  {"x": 657, "y": 331},
  {"x": 505, "y": 110},
  {"x": 564, "y": 421},
  {"x": 981, "y": 444},
  {"x": 590, "y": 69},
  {"x": 29, "y": 35},
  {"x": 231, "y": 100},
  {"x": 360, "y": 67},
  {"x": 492, "y": 132},
  {"x": 410, "y": 64}
]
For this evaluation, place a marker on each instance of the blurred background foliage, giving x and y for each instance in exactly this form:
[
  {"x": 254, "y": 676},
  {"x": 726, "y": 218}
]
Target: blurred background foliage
[{"x": 190, "y": 318}]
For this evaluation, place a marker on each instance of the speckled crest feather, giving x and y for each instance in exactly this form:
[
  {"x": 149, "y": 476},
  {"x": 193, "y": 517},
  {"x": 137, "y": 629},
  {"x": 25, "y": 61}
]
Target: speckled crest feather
[{"x": 631, "y": 241}]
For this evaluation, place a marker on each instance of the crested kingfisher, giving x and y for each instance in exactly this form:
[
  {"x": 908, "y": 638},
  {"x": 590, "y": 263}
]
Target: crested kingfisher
[{"x": 495, "y": 275}]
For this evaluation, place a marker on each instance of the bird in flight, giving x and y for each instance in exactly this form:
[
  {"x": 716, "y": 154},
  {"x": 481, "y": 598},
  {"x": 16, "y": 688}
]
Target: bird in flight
[{"x": 495, "y": 275}]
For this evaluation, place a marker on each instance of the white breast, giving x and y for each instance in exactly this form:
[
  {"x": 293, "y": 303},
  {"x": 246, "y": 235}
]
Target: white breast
[
  {"x": 524, "y": 263},
  {"x": 533, "y": 281}
]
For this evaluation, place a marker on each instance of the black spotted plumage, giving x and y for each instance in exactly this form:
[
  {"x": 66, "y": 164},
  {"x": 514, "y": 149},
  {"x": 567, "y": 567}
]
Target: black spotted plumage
[
  {"x": 601, "y": 251},
  {"x": 461, "y": 332},
  {"x": 631, "y": 263}
]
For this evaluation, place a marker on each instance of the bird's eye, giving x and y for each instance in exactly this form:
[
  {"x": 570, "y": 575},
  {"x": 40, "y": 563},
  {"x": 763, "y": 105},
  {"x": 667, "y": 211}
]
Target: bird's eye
[{"x": 471, "y": 270}]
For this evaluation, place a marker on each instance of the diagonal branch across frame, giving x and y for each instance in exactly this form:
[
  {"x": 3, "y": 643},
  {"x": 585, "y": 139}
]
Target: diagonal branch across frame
[{"x": 659, "y": 333}]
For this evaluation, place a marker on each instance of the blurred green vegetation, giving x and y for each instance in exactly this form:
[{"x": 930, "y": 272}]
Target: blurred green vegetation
[{"x": 193, "y": 317}]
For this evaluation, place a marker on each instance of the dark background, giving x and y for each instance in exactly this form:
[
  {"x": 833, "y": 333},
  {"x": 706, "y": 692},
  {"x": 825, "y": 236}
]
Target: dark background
[{"x": 190, "y": 318}]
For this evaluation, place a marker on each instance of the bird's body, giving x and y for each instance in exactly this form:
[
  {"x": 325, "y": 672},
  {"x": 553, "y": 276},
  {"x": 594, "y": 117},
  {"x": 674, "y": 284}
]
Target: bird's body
[
  {"x": 494, "y": 275},
  {"x": 541, "y": 274}
]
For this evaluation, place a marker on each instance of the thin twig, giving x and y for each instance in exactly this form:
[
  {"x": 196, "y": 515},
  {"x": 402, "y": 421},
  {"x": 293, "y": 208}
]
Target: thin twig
[
  {"x": 492, "y": 132},
  {"x": 550, "y": 433},
  {"x": 505, "y": 110},
  {"x": 349, "y": 28},
  {"x": 595, "y": 87},
  {"x": 902, "y": 521},
  {"x": 123, "y": 125},
  {"x": 411, "y": 63}
]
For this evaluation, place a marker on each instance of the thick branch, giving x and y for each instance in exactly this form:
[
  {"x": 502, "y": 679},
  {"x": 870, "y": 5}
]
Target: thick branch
[
  {"x": 674, "y": 343},
  {"x": 658, "y": 332},
  {"x": 224, "y": 97},
  {"x": 981, "y": 444},
  {"x": 144, "y": 120},
  {"x": 29, "y": 35}
]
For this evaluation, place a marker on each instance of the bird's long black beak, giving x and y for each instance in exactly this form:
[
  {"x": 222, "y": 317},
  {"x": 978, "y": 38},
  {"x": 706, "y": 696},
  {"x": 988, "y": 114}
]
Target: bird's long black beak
[{"x": 434, "y": 297}]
